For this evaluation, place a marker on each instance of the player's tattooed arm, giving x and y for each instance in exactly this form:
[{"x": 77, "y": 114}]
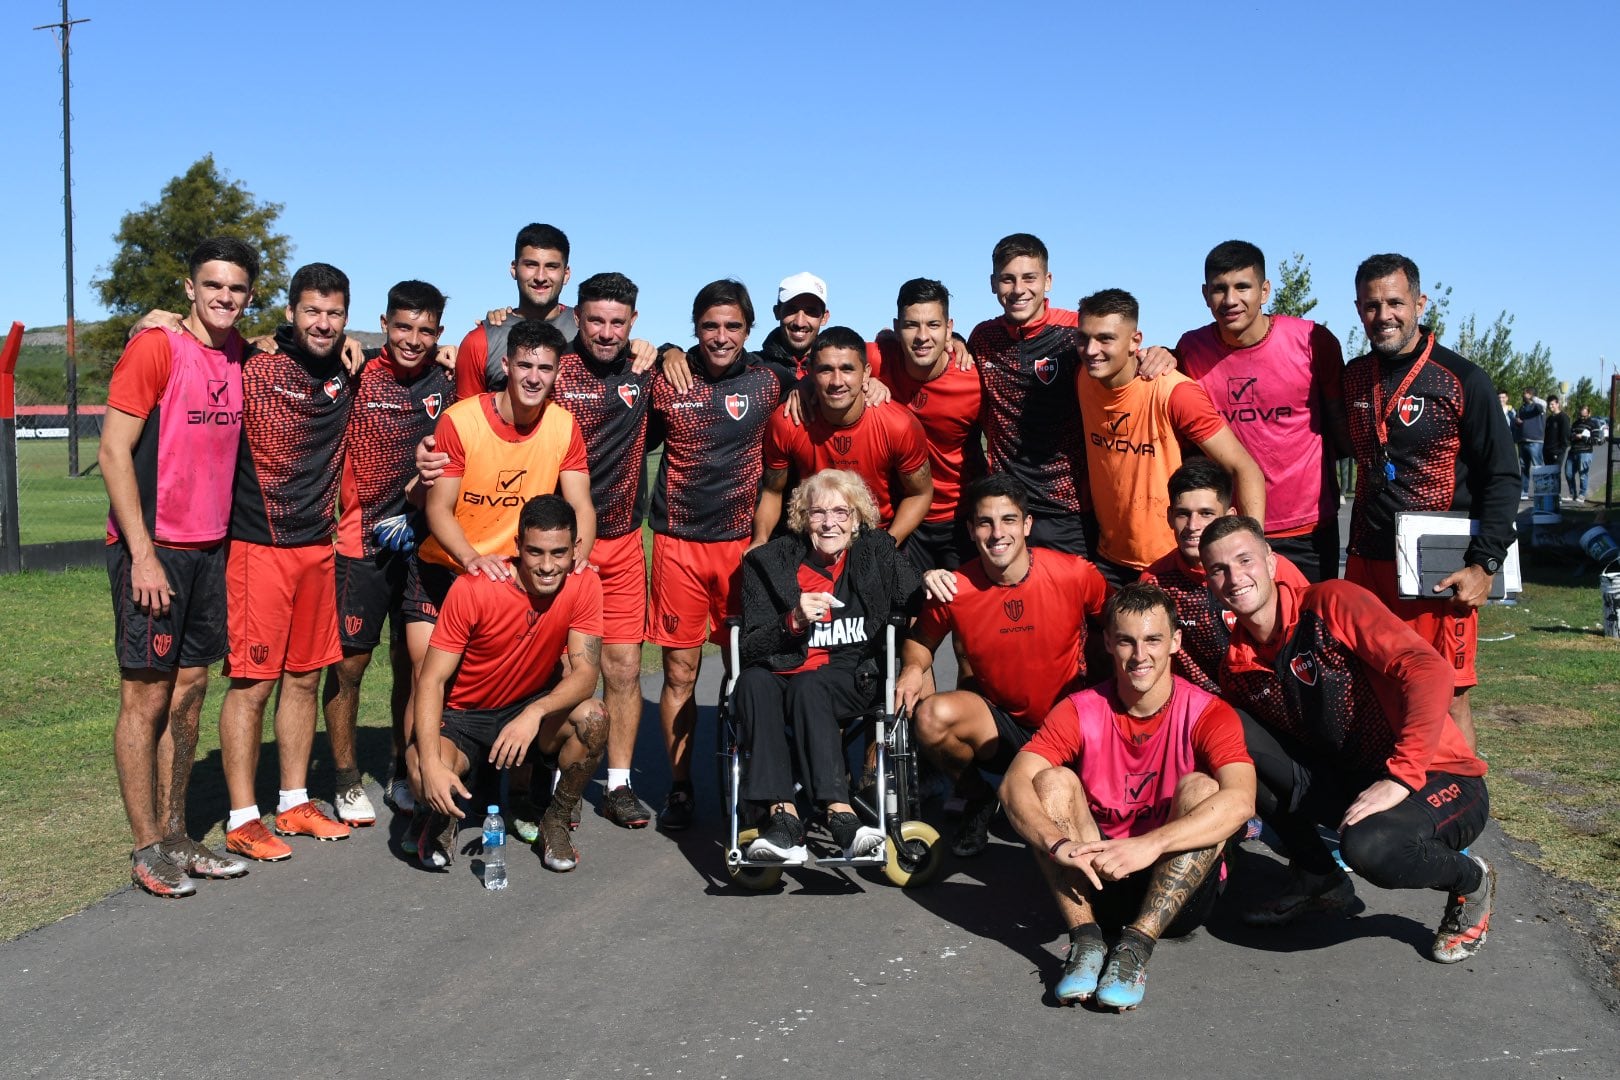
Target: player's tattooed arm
[{"x": 589, "y": 652}]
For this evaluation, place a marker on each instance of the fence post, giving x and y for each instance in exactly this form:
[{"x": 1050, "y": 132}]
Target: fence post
[{"x": 10, "y": 538}]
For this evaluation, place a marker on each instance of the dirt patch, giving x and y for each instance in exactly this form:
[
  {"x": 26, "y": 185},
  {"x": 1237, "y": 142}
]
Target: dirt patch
[
  {"x": 1547, "y": 716},
  {"x": 1582, "y": 820},
  {"x": 1542, "y": 780}
]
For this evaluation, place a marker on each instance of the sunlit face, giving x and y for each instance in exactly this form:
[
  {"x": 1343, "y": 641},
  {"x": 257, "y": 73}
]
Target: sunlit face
[
  {"x": 1241, "y": 569},
  {"x": 1191, "y": 511},
  {"x": 530, "y": 375},
  {"x": 1021, "y": 286},
  {"x": 604, "y": 326},
  {"x": 840, "y": 379},
  {"x": 1237, "y": 299},
  {"x": 219, "y": 293},
  {"x": 1108, "y": 345},
  {"x": 1390, "y": 313},
  {"x": 831, "y": 521},
  {"x": 413, "y": 337},
  {"x": 721, "y": 331},
  {"x": 545, "y": 559},
  {"x": 1000, "y": 530},
  {"x": 925, "y": 332},
  {"x": 317, "y": 320},
  {"x": 802, "y": 318},
  {"x": 540, "y": 274},
  {"x": 1142, "y": 644}
]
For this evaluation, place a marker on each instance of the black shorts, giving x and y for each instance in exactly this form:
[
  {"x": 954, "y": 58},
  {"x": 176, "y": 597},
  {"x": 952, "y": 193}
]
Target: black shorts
[
  {"x": 368, "y": 591},
  {"x": 1010, "y": 738},
  {"x": 1073, "y": 533},
  {"x": 1316, "y": 553},
  {"x": 474, "y": 731},
  {"x": 1116, "y": 574},
  {"x": 426, "y": 586},
  {"x": 939, "y": 545},
  {"x": 193, "y": 633},
  {"x": 1120, "y": 902}
]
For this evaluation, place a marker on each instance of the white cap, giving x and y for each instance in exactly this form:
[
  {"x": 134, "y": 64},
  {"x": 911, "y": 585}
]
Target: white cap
[{"x": 801, "y": 284}]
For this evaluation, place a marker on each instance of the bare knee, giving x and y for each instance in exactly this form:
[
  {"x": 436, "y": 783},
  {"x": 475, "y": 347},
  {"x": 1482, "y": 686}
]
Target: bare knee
[
  {"x": 621, "y": 667},
  {"x": 680, "y": 671},
  {"x": 1193, "y": 789},
  {"x": 934, "y": 720},
  {"x": 590, "y": 725},
  {"x": 1059, "y": 791}
]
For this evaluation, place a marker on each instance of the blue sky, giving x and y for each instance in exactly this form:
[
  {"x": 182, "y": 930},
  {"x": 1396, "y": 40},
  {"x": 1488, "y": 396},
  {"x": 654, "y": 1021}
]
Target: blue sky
[{"x": 868, "y": 143}]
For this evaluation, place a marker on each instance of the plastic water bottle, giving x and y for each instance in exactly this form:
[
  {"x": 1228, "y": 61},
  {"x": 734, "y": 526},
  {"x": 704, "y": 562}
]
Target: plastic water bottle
[{"x": 494, "y": 850}]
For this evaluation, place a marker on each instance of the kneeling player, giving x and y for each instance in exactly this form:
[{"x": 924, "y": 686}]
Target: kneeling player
[
  {"x": 487, "y": 686},
  {"x": 1127, "y": 793}
]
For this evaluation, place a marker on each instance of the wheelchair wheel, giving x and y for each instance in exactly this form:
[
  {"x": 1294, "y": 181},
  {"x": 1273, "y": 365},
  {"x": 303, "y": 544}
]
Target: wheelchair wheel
[
  {"x": 915, "y": 860},
  {"x": 757, "y": 878}
]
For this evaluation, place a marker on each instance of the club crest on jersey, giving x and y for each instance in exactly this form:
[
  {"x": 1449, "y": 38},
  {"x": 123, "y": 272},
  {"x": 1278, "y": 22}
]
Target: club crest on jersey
[
  {"x": 161, "y": 643},
  {"x": 921, "y": 399},
  {"x": 1229, "y": 617},
  {"x": 737, "y": 405},
  {"x": 352, "y": 624},
  {"x": 432, "y": 404},
  {"x": 842, "y": 443},
  {"x": 333, "y": 387},
  {"x": 534, "y": 616},
  {"x": 259, "y": 653},
  {"x": 671, "y": 623},
  {"x": 1305, "y": 668},
  {"x": 628, "y": 393},
  {"x": 1409, "y": 408},
  {"x": 1046, "y": 369},
  {"x": 1013, "y": 608}
]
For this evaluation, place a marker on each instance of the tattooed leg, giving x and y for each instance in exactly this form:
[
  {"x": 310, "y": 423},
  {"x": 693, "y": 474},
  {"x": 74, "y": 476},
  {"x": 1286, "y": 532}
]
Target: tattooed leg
[
  {"x": 1173, "y": 879},
  {"x": 1065, "y": 803}
]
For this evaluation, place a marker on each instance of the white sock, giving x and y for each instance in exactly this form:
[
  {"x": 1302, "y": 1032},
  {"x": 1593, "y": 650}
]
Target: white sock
[
  {"x": 290, "y": 799},
  {"x": 556, "y": 778},
  {"x": 618, "y": 778},
  {"x": 241, "y": 817}
]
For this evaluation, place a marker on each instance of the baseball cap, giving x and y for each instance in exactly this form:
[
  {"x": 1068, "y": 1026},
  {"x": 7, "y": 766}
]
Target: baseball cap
[{"x": 801, "y": 284}]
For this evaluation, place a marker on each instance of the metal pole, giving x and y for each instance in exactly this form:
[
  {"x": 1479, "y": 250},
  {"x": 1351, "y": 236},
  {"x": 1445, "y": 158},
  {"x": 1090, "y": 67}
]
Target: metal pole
[{"x": 11, "y": 547}]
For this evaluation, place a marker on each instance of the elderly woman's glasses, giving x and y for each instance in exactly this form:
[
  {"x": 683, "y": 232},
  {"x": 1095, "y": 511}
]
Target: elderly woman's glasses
[{"x": 836, "y": 513}]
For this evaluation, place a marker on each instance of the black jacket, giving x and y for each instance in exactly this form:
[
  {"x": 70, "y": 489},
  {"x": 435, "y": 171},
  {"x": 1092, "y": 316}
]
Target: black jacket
[
  {"x": 1557, "y": 437},
  {"x": 885, "y": 581}
]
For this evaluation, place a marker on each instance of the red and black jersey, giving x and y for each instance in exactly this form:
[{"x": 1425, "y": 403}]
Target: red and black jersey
[
  {"x": 393, "y": 411},
  {"x": 610, "y": 402},
  {"x": 708, "y": 480},
  {"x": 478, "y": 358},
  {"x": 883, "y": 446},
  {"x": 294, "y": 411},
  {"x": 948, "y": 408},
  {"x": 1353, "y": 685},
  {"x": 1031, "y": 415},
  {"x": 1446, "y": 442}
]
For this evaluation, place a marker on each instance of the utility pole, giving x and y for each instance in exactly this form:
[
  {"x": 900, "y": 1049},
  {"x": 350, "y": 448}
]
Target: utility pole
[{"x": 66, "y": 27}]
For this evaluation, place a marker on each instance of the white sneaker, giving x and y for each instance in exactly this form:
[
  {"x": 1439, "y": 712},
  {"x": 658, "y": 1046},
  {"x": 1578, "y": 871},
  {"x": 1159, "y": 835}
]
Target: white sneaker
[
  {"x": 868, "y": 841},
  {"x": 400, "y": 798},
  {"x": 354, "y": 808}
]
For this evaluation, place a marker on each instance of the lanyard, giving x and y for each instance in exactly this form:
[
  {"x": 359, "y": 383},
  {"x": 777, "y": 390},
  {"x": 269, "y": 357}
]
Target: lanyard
[{"x": 1381, "y": 412}]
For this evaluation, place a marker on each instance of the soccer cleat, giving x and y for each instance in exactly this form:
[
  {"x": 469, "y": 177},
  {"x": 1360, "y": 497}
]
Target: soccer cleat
[
  {"x": 155, "y": 872},
  {"x": 1082, "y": 964},
  {"x": 254, "y": 841},
  {"x": 1467, "y": 918},
  {"x": 306, "y": 819},
  {"x": 400, "y": 798},
  {"x": 556, "y": 845},
  {"x": 199, "y": 861},
  {"x": 525, "y": 817},
  {"x": 1307, "y": 893},
  {"x": 354, "y": 808},
  {"x": 973, "y": 832},
  {"x": 1124, "y": 979},
  {"x": 857, "y": 841},
  {"x": 436, "y": 843},
  {"x": 782, "y": 841},
  {"x": 621, "y": 807},
  {"x": 678, "y": 811}
]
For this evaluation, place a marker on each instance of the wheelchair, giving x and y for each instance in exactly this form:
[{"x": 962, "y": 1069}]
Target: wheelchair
[{"x": 910, "y": 854}]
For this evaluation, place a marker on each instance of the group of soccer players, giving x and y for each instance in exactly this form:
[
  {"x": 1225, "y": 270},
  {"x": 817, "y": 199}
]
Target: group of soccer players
[{"x": 272, "y": 504}]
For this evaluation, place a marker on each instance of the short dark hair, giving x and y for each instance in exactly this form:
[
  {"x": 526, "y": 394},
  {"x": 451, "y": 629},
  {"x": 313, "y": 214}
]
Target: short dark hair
[
  {"x": 1375, "y": 267},
  {"x": 1110, "y": 302},
  {"x": 610, "y": 286},
  {"x": 1230, "y": 255},
  {"x": 548, "y": 512},
  {"x": 323, "y": 278},
  {"x": 839, "y": 337},
  {"x": 225, "y": 249},
  {"x": 416, "y": 295},
  {"x": 720, "y": 293},
  {"x": 1138, "y": 598},
  {"x": 529, "y": 334},
  {"x": 921, "y": 290},
  {"x": 1201, "y": 474},
  {"x": 1554, "y": 397},
  {"x": 544, "y": 237},
  {"x": 1222, "y": 527},
  {"x": 1017, "y": 246},
  {"x": 996, "y": 485}
]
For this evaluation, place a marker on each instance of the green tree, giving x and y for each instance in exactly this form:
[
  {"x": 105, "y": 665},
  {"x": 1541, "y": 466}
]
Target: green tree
[
  {"x": 1510, "y": 369},
  {"x": 1586, "y": 393},
  {"x": 155, "y": 242},
  {"x": 1292, "y": 293}
]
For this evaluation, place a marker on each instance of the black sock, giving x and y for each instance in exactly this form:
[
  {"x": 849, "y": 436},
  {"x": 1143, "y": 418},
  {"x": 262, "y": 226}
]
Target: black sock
[
  {"x": 1086, "y": 932},
  {"x": 1139, "y": 941},
  {"x": 347, "y": 778}
]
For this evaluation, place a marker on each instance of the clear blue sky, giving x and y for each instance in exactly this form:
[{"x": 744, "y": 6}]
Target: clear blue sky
[{"x": 868, "y": 143}]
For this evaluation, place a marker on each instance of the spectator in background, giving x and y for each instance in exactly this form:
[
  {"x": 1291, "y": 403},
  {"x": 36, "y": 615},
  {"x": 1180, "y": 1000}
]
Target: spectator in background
[
  {"x": 1557, "y": 435},
  {"x": 1530, "y": 435},
  {"x": 1583, "y": 436},
  {"x": 1507, "y": 413}
]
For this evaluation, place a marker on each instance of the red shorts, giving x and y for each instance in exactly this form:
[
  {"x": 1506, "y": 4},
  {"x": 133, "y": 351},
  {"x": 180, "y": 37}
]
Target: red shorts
[
  {"x": 696, "y": 586},
  {"x": 281, "y": 609},
  {"x": 1454, "y": 636},
  {"x": 622, "y": 565}
]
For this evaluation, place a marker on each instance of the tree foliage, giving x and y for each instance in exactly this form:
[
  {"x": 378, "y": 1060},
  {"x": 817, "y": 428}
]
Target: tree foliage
[
  {"x": 1586, "y": 393},
  {"x": 1510, "y": 369},
  {"x": 155, "y": 242},
  {"x": 1291, "y": 295}
]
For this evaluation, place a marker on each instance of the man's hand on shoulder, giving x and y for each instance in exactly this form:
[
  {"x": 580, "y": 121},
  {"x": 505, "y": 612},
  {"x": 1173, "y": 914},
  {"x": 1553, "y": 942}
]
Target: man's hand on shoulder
[
  {"x": 494, "y": 567},
  {"x": 940, "y": 585},
  {"x": 158, "y": 319},
  {"x": 1155, "y": 360}
]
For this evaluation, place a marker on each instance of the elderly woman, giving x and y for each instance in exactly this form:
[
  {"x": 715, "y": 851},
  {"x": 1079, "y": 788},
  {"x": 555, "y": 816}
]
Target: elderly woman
[{"x": 815, "y": 603}]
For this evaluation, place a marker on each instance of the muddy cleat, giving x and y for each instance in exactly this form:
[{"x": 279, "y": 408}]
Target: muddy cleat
[
  {"x": 621, "y": 807},
  {"x": 973, "y": 832},
  {"x": 1306, "y": 894},
  {"x": 1124, "y": 979},
  {"x": 857, "y": 841},
  {"x": 1081, "y": 967},
  {"x": 157, "y": 874},
  {"x": 436, "y": 843},
  {"x": 354, "y": 808},
  {"x": 199, "y": 861},
  {"x": 1467, "y": 918},
  {"x": 306, "y": 819},
  {"x": 556, "y": 845},
  {"x": 254, "y": 841},
  {"x": 782, "y": 841},
  {"x": 399, "y": 797}
]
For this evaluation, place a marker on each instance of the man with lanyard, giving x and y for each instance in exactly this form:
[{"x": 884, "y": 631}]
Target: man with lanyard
[
  {"x": 1126, "y": 795},
  {"x": 1426, "y": 435}
]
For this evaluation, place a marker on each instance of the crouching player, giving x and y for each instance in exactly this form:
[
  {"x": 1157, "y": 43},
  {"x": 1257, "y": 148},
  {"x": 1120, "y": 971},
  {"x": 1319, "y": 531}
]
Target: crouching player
[
  {"x": 490, "y": 685},
  {"x": 1127, "y": 793}
]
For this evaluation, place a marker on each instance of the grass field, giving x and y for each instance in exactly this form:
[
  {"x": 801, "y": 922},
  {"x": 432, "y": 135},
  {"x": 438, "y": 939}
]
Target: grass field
[{"x": 52, "y": 505}]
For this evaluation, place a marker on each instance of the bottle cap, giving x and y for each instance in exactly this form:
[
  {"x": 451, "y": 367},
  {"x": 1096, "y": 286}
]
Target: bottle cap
[{"x": 493, "y": 810}]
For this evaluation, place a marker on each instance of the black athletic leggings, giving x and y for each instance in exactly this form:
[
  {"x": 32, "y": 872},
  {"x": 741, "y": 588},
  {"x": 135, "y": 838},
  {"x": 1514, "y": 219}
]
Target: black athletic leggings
[{"x": 1415, "y": 844}]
